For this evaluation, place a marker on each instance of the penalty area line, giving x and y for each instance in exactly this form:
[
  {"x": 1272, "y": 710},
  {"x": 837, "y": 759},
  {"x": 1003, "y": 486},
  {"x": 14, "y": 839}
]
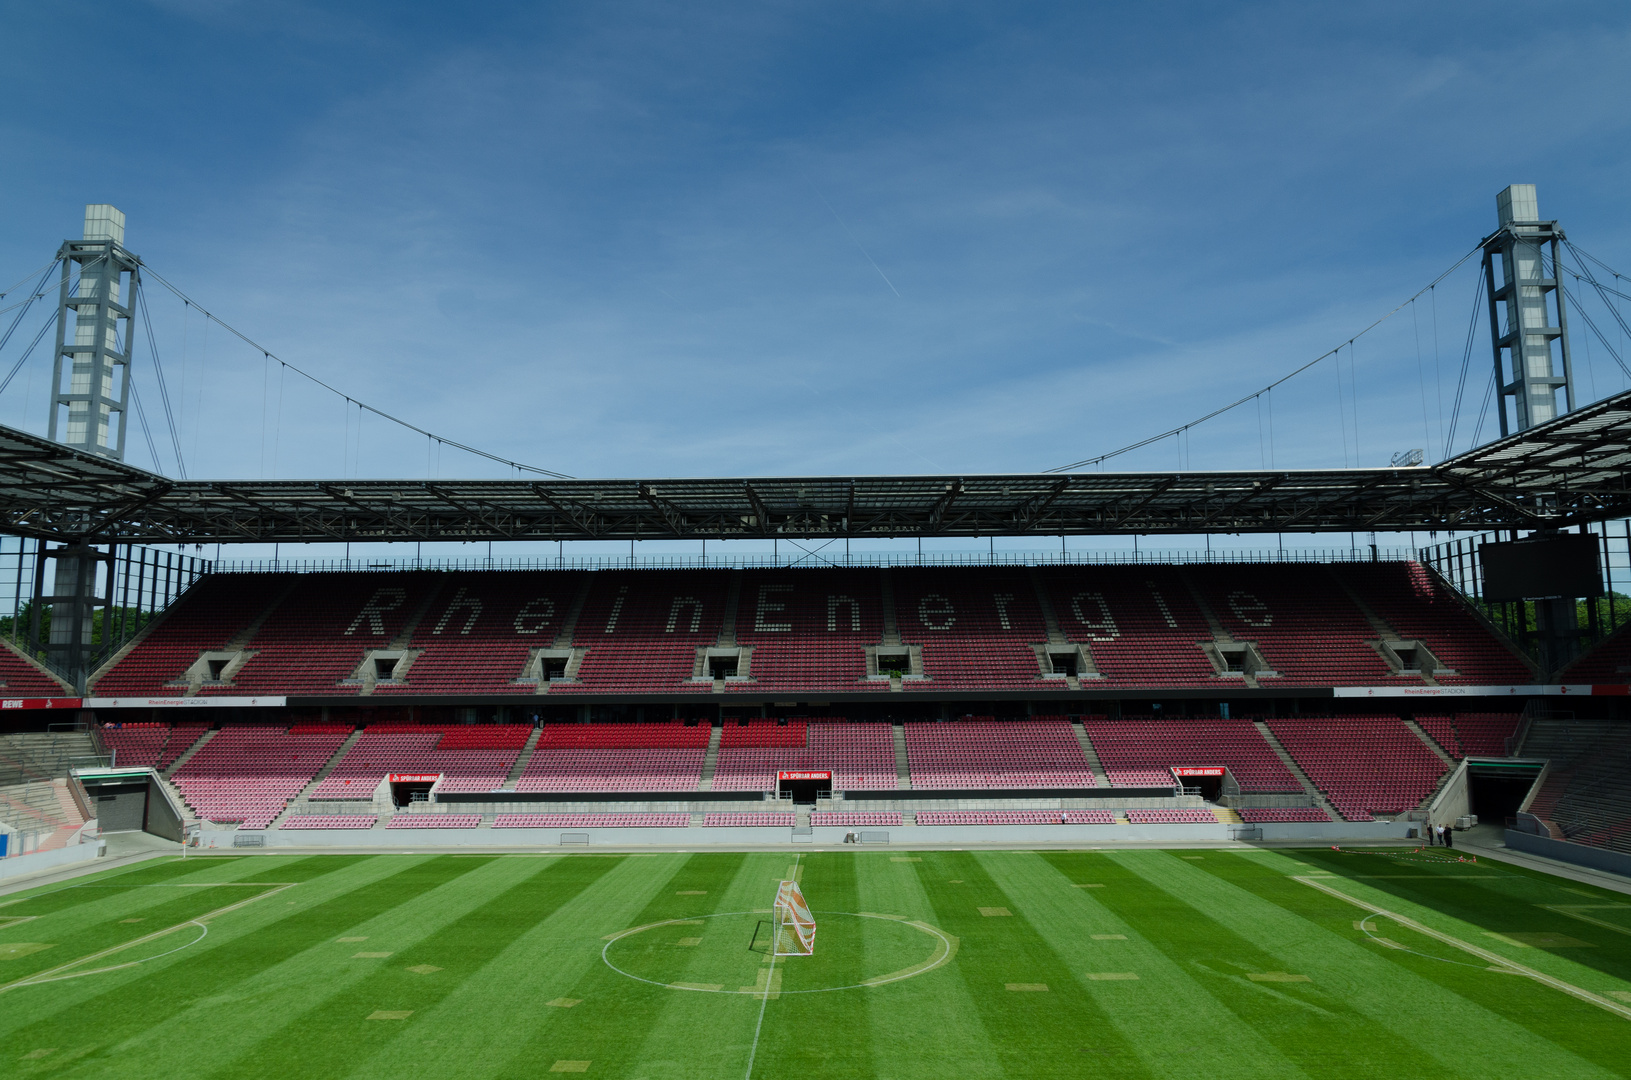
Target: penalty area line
[{"x": 1493, "y": 958}]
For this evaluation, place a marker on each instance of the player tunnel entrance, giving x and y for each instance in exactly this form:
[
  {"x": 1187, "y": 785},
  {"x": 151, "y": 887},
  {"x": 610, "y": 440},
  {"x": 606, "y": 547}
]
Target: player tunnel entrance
[
  {"x": 409, "y": 788},
  {"x": 1207, "y": 781},
  {"x": 805, "y": 786}
]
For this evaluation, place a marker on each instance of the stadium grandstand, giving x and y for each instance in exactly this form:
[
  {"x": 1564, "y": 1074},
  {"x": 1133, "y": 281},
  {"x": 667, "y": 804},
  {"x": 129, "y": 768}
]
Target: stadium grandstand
[{"x": 1293, "y": 695}]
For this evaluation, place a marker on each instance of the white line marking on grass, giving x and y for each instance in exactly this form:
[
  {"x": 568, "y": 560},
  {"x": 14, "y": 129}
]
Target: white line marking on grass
[
  {"x": 1496, "y": 960},
  {"x": 55, "y": 974},
  {"x": 770, "y": 975}
]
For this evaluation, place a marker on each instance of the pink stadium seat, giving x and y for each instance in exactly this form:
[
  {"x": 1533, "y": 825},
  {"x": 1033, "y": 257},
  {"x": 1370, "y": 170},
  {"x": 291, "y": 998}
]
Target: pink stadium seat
[
  {"x": 1260, "y": 815},
  {"x": 592, "y": 821},
  {"x": 329, "y": 821},
  {"x": 860, "y": 756},
  {"x": 1141, "y": 752},
  {"x": 982, "y": 752},
  {"x": 1363, "y": 764}
]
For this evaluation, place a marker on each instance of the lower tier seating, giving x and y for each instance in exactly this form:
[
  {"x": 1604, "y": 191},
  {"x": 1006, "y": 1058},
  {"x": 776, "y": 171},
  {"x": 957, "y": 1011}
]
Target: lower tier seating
[
  {"x": 1257, "y": 815},
  {"x": 592, "y": 821},
  {"x": 1362, "y": 764},
  {"x": 1141, "y": 751},
  {"x": 1040, "y": 752},
  {"x": 329, "y": 821},
  {"x": 732, "y": 819},
  {"x": 852, "y": 818},
  {"x": 1011, "y": 817},
  {"x": 434, "y": 821},
  {"x": 861, "y": 757},
  {"x": 1171, "y": 817}
]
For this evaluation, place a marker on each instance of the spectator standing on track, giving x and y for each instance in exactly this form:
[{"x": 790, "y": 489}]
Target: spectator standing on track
[
  {"x": 1427, "y": 831},
  {"x": 1449, "y": 836}
]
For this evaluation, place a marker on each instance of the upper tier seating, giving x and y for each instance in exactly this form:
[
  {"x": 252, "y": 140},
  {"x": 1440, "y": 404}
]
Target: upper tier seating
[
  {"x": 1609, "y": 662},
  {"x": 1297, "y": 615},
  {"x": 217, "y": 608},
  {"x": 985, "y": 753},
  {"x": 860, "y": 756},
  {"x": 976, "y": 631},
  {"x": 249, "y": 774},
  {"x": 1140, "y": 623},
  {"x": 19, "y": 678},
  {"x": 1419, "y": 606},
  {"x": 474, "y": 758},
  {"x": 808, "y": 629},
  {"x": 800, "y": 632},
  {"x": 1141, "y": 752},
  {"x": 616, "y": 757},
  {"x": 1362, "y": 763}
]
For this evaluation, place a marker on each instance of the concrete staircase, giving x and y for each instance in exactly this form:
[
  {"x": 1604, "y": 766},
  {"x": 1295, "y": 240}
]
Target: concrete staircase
[
  {"x": 1431, "y": 743},
  {"x": 1296, "y": 770},
  {"x": 1100, "y": 779},
  {"x": 195, "y": 748},
  {"x": 903, "y": 769},
  {"x": 522, "y": 758},
  {"x": 1227, "y": 816},
  {"x": 711, "y": 759}
]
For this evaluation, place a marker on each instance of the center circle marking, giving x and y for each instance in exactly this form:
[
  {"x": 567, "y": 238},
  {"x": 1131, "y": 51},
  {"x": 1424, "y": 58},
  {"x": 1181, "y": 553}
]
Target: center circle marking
[{"x": 945, "y": 947}]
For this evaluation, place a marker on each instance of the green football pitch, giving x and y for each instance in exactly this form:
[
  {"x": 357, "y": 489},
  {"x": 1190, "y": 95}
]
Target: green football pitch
[{"x": 1137, "y": 963}]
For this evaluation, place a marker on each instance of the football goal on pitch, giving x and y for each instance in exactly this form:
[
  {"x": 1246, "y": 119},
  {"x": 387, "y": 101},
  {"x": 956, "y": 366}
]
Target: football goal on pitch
[{"x": 795, "y": 927}]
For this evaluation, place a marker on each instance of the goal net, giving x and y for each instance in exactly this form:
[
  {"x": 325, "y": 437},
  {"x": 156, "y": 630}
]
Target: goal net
[{"x": 794, "y": 925}]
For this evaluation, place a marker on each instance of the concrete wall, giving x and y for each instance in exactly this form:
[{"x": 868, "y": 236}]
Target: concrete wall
[
  {"x": 1614, "y": 862},
  {"x": 691, "y": 839},
  {"x": 19, "y": 865}
]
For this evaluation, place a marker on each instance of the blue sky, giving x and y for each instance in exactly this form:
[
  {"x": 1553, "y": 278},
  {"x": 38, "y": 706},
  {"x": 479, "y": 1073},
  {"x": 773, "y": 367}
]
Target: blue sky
[{"x": 625, "y": 239}]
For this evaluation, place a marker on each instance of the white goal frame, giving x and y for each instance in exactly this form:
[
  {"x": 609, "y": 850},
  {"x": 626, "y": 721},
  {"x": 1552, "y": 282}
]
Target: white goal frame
[{"x": 793, "y": 927}]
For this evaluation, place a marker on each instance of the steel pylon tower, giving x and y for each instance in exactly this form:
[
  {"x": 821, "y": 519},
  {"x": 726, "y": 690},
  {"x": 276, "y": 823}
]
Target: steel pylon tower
[
  {"x": 1522, "y": 302},
  {"x": 90, "y": 391}
]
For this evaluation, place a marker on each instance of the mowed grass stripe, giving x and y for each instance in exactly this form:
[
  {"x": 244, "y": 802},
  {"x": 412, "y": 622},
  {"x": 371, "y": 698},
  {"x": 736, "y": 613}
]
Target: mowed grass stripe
[
  {"x": 1537, "y": 1026},
  {"x": 724, "y": 1022},
  {"x": 1495, "y": 900},
  {"x": 492, "y": 1021},
  {"x": 1319, "y": 939},
  {"x": 932, "y": 1025},
  {"x": 458, "y": 929},
  {"x": 1031, "y": 1035},
  {"x": 31, "y": 1004},
  {"x": 1276, "y": 1022},
  {"x": 1170, "y": 1016},
  {"x": 621, "y": 1023},
  {"x": 257, "y": 966},
  {"x": 830, "y": 884}
]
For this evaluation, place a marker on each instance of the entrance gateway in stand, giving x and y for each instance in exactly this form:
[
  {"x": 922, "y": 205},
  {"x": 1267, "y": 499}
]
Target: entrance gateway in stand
[
  {"x": 1207, "y": 778},
  {"x": 406, "y": 788},
  {"x": 803, "y": 786}
]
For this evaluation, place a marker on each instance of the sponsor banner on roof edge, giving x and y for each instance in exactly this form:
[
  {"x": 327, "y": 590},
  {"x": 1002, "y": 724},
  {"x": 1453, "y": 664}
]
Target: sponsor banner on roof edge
[
  {"x": 1530, "y": 690},
  {"x": 183, "y": 703},
  {"x": 40, "y": 703}
]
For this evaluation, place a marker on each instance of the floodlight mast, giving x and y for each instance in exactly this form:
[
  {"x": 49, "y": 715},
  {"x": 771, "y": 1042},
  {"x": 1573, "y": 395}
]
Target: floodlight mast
[
  {"x": 90, "y": 381},
  {"x": 1527, "y": 368}
]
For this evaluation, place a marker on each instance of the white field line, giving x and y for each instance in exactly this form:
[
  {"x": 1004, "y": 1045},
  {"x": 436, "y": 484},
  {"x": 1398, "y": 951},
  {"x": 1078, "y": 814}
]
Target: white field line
[
  {"x": 55, "y": 974},
  {"x": 1493, "y": 958},
  {"x": 770, "y": 980}
]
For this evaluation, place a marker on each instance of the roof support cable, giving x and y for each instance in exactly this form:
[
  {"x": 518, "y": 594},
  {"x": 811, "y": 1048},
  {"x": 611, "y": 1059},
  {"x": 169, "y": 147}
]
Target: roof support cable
[
  {"x": 268, "y": 354},
  {"x": 1174, "y": 432},
  {"x": 164, "y": 389},
  {"x": 1466, "y": 364}
]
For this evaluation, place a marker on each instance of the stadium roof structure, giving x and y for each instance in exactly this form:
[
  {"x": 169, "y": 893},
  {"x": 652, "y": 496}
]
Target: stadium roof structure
[{"x": 1569, "y": 471}]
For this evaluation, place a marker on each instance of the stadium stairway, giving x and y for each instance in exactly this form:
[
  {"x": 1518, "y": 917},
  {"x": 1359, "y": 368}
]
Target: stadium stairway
[
  {"x": 903, "y": 768},
  {"x": 302, "y": 801},
  {"x": 1100, "y": 778},
  {"x": 521, "y": 759},
  {"x": 1227, "y": 816},
  {"x": 710, "y": 760},
  {"x": 170, "y": 771},
  {"x": 1432, "y": 744},
  {"x": 1296, "y": 770}
]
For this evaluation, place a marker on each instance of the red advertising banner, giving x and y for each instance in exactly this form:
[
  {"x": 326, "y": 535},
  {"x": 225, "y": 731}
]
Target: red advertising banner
[
  {"x": 413, "y": 778},
  {"x": 1198, "y": 770},
  {"x": 804, "y": 776},
  {"x": 40, "y": 703}
]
